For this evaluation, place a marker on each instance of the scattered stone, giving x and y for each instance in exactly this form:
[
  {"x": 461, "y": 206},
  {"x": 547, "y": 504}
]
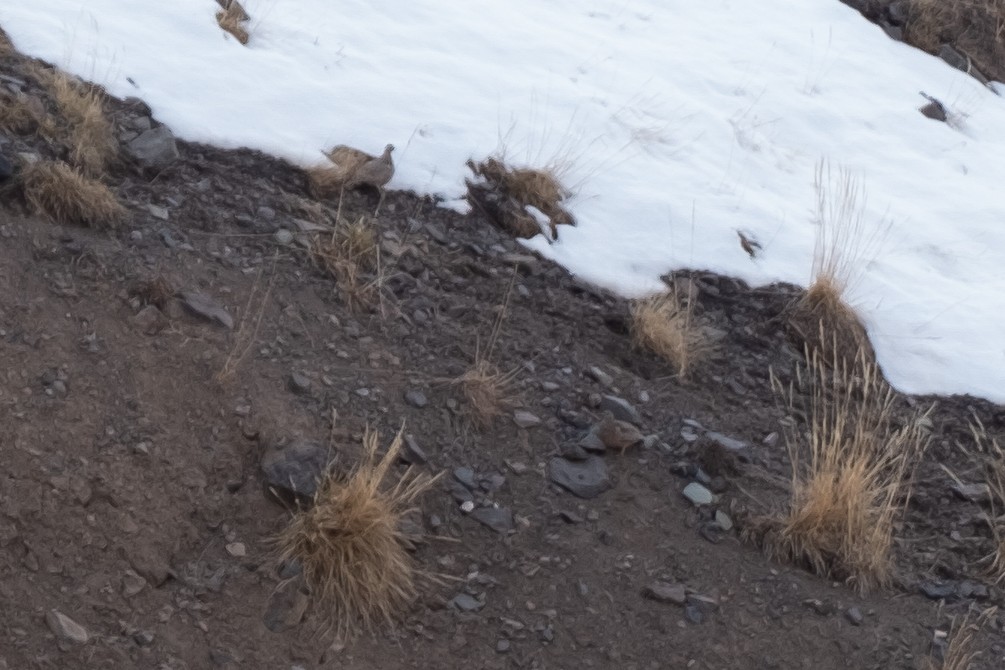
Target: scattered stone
[
  {"x": 158, "y": 212},
  {"x": 570, "y": 517},
  {"x": 576, "y": 452},
  {"x": 600, "y": 376},
  {"x": 132, "y": 583},
  {"x": 621, "y": 409},
  {"x": 466, "y": 603},
  {"x": 819, "y": 606},
  {"x": 155, "y": 148},
  {"x": 723, "y": 520},
  {"x": 585, "y": 479},
  {"x": 412, "y": 453},
  {"x": 938, "y": 590},
  {"x": 149, "y": 320},
  {"x": 143, "y": 638},
  {"x": 854, "y": 615},
  {"x": 525, "y": 419},
  {"x": 286, "y": 606},
  {"x": 665, "y": 592},
  {"x": 498, "y": 519},
  {"x": 294, "y": 472},
  {"x": 694, "y": 613},
  {"x": 202, "y": 305},
  {"x": 502, "y": 646},
  {"x": 237, "y": 549},
  {"x": 66, "y": 628},
  {"x": 299, "y": 383},
  {"x": 550, "y": 386},
  {"x": 468, "y": 506},
  {"x": 148, "y": 562},
  {"x": 727, "y": 442},
  {"x": 466, "y": 476},
  {"x": 416, "y": 398},
  {"x": 934, "y": 110},
  {"x": 689, "y": 434},
  {"x": 972, "y": 492},
  {"x": 698, "y": 494},
  {"x": 283, "y": 237}
]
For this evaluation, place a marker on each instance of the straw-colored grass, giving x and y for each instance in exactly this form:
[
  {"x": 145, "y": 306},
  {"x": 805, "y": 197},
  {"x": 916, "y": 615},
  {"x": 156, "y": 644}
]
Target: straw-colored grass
[
  {"x": 351, "y": 546},
  {"x": 351, "y": 256},
  {"x": 976, "y": 28},
  {"x": 851, "y": 474},
  {"x": 63, "y": 194},
  {"x": 487, "y": 390},
  {"x": 959, "y": 652},
  {"x": 665, "y": 324},
  {"x": 89, "y": 134}
]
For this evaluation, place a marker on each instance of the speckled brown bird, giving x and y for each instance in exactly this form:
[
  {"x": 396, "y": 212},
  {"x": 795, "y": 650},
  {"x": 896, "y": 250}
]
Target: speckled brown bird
[{"x": 375, "y": 172}]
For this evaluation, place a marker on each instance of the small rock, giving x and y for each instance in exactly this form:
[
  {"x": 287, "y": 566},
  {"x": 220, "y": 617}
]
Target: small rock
[
  {"x": 934, "y": 110},
  {"x": 723, "y": 520},
  {"x": 412, "y": 453},
  {"x": 621, "y": 409},
  {"x": 550, "y": 386},
  {"x": 525, "y": 419},
  {"x": 600, "y": 376},
  {"x": 466, "y": 476},
  {"x": 66, "y": 628},
  {"x": 468, "y": 506},
  {"x": 938, "y": 590},
  {"x": 498, "y": 519},
  {"x": 698, "y": 494},
  {"x": 283, "y": 237},
  {"x": 416, "y": 399},
  {"x": 143, "y": 638},
  {"x": 502, "y": 646},
  {"x": 585, "y": 479},
  {"x": 294, "y": 471},
  {"x": 694, "y": 613},
  {"x": 149, "y": 320},
  {"x": 725, "y": 441},
  {"x": 132, "y": 583},
  {"x": 664, "y": 592},
  {"x": 299, "y": 383},
  {"x": 237, "y": 549},
  {"x": 466, "y": 603},
  {"x": 286, "y": 606},
  {"x": 158, "y": 212},
  {"x": 202, "y": 305},
  {"x": 972, "y": 492},
  {"x": 854, "y": 615},
  {"x": 155, "y": 148}
]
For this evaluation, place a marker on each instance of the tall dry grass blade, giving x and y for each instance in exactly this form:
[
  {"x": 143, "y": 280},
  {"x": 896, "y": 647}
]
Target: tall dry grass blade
[{"x": 665, "y": 324}]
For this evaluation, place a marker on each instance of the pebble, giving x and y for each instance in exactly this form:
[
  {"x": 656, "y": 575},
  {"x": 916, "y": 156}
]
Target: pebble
[
  {"x": 66, "y": 628},
  {"x": 585, "y": 479},
  {"x": 202, "y": 305},
  {"x": 237, "y": 549},
  {"x": 416, "y": 398},
  {"x": 621, "y": 409},
  {"x": 466, "y": 603},
  {"x": 158, "y": 212},
  {"x": 295, "y": 470},
  {"x": 412, "y": 453},
  {"x": 502, "y": 646},
  {"x": 286, "y": 606},
  {"x": 466, "y": 476},
  {"x": 550, "y": 386},
  {"x": 132, "y": 583},
  {"x": 698, "y": 494},
  {"x": 600, "y": 376},
  {"x": 498, "y": 519},
  {"x": 938, "y": 590},
  {"x": 723, "y": 520},
  {"x": 665, "y": 592},
  {"x": 525, "y": 419},
  {"x": 299, "y": 383},
  {"x": 854, "y": 615},
  {"x": 725, "y": 441}
]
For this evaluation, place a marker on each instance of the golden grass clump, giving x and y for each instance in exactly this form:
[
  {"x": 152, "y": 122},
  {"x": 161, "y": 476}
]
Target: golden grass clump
[
  {"x": 58, "y": 191},
  {"x": 351, "y": 256},
  {"x": 664, "y": 324},
  {"x": 487, "y": 390},
  {"x": 992, "y": 457},
  {"x": 89, "y": 134},
  {"x": 351, "y": 545},
  {"x": 233, "y": 19},
  {"x": 504, "y": 193},
  {"x": 976, "y": 28},
  {"x": 851, "y": 474},
  {"x": 957, "y": 645},
  {"x": 821, "y": 320},
  {"x": 21, "y": 114}
]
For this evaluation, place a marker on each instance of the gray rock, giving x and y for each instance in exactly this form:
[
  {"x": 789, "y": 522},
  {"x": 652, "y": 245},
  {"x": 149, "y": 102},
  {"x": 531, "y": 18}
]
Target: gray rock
[
  {"x": 938, "y": 590},
  {"x": 665, "y": 592},
  {"x": 694, "y": 613},
  {"x": 295, "y": 470},
  {"x": 158, "y": 212},
  {"x": 525, "y": 419},
  {"x": 727, "y": 442},
  {"x": 466, "y": 603},
  {"x": 698, "y": 494},
  {"x": 154, "y": 148},
  {"x": 585, "y": 479},
  {"x": 202, "y": 305},
  {"x": 498, "y": 519},
  {"x": 132, "y": 583},
  {"x": 502, "y": 646},
  {"x": 549, "y": 386},
  {"x": 466, "y": 476},
  {"x": 66, "y": 628},
  {"x": 283, "y": 237},
  {"x": 149, "y": 320},
  {"x": 286, "y": 606},
  {"x": 723, "y": 520},
  {"x": 416, "y": 398},
  {"x": 592, "y": 442},
  {"x": 600, "y": 376},
  {"x": 854, "y": 615},
  {"x": 299, "y": 383},
  {"x": 972, "y": 492},
  {"x": 621, "y": 409},
  {"x": 412, "y": 453}
]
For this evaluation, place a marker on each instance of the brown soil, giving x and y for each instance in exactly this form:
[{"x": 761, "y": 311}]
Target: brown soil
[{"x": 124, "y": 454}]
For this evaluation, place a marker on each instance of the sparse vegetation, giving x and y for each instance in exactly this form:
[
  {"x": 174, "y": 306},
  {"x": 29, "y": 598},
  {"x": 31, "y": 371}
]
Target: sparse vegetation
[
  {"x": 956, "y": 647},
  {"x": 247, "y": 331},
  {"x": 233, "y": 19},
  {"x": 351, "y": 256},
  {"x": 976, "y": 28},
  {"x": 851, "y": 474},
  {"x": 487, "y": 390},
  {"x": 351, "y": 546},
  {"x": 821, "y": 319},
  {"x": 21, "y": 114},
  {"x": 63, "y": 194},
  {"x": 88, "y": 133},
  {"x": 992, "y": 456},
  {"x": 505, "y": 194},
  {"x": 664, "y": 324}
]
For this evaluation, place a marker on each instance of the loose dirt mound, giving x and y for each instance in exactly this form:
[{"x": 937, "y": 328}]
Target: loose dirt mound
[{"x": 137, "y": 512}]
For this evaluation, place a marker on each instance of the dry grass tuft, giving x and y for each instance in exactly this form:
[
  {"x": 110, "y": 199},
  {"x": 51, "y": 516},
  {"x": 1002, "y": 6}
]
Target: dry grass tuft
[
  {"x": 89, "y": 134},
  {"x": 233, "y": 19},
  {"x": 665, "y": 324},
  {"x": 350, "y": 543},
  {"x": 55, "y": 190},
  {"x": 6, "y": 46},
  {"x": 993, "y": 460},
  {"x": 821, "y": 320},
  {"x": 958, "y": 653},
  {"x": 851, "y": 475},
  {"x": 351, "y": 256},
  {"x": 488, "y": 391},
  {"x": 21, "y": 114},
  {"x": 505, "y": 194},
  {"x": 976, "y": 28}
]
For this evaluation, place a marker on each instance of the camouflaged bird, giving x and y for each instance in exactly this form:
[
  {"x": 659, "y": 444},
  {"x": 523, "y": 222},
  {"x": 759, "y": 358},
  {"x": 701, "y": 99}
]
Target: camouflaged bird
[{"x": 375, "y": 172}]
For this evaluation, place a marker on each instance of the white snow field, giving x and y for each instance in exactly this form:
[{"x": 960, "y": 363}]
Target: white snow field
[{"x": 677, "y": 123}]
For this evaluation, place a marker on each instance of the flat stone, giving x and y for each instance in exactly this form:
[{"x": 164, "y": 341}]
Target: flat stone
[
  {"x": 727, "y": 442},
  {"x": 498, "y": 519},
  {"x": 66, "y": 628},
  {"x": 723, "y": 520},
  {"x": 149, "y": 320},
  {"x": 938, "y": 590},
  {"x": 525, "y": 419},
  {"x": 299, "y": 383},
  {"x": 854, "y": 615},
  {"x": 283, "y": 237},
  {"x": 132, "y": 583},
  {"x": 295, "y": 470},
  {"x": 698, "y": 494},
  {"x": 286, "y": 606},
  {"x": 585, "y": 479},
  {"x": 665, "y": 592},
  {"x": 158, "y": 212},
  {"x": 237, "y": 549},
  {"x": 972, "y": 492},
  {"x": 466, "y": 476},
  {"x": 412, "y": 453},
  {"x": 154, "y": 148},
  {"x": 600, "y": 376},
  {"x": 466, "y": 603},
  {"x": 416, "y": 398},
  {"x": 621, "y": 409},
  {"x": 202, "y": 305}
]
